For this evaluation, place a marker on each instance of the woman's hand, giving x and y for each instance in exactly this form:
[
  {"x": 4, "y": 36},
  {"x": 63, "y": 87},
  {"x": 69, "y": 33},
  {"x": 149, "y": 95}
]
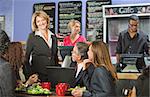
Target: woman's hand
[
  {"x": 32, "y": 79},
  {"x": 133, "y": 92},
  {"x": 77, "y": 92},
  {"x": 85, "y": 63}
]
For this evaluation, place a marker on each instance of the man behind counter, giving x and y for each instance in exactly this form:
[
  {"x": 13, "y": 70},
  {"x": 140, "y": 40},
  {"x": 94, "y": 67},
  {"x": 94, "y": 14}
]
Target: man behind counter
[{"x": 132, "y": 41}]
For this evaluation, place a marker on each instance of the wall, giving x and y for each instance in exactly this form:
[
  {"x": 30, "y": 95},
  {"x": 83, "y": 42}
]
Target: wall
[
  {"x": 22, "y": 17},
  {"x": 18, "y": 15},
  {"x": 6, "y": 9}
]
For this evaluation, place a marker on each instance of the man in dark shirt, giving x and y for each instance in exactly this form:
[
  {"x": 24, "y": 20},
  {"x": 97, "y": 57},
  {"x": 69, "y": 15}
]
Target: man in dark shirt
[{"x": 132, "y": 41}]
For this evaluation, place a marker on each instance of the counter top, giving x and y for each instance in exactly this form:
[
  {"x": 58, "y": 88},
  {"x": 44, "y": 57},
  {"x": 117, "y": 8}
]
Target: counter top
[{"x": 131, "y": 76}]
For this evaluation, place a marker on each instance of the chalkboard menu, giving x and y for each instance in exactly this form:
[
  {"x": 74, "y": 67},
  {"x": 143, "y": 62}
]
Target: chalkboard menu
[
  {"x": 49, "y": 8},
  {"x": 67, "y": 11},
  {"x": 94, "y": 19}
]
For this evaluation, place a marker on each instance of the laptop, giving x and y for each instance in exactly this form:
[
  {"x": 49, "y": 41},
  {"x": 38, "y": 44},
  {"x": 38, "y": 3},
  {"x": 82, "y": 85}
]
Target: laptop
[{"x": 60, "y": 75}]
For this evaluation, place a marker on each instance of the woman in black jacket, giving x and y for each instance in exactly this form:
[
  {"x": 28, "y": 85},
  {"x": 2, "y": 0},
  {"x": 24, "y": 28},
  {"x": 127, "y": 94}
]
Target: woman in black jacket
[
  {"x": 101, "y": 83},
  {"x": 41, "y": 46}
]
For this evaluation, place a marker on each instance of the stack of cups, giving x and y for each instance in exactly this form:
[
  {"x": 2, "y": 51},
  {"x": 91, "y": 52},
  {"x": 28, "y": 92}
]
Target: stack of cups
[
  {"x": 46, "y": 85},
  {"x": 61, "y": 88}
]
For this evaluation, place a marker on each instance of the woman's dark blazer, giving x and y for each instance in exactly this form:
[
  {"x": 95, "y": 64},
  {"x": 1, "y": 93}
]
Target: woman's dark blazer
[
  {"x": 78, "y": 81},
  {"x": 42, "y": 55},
  {"x": 80, "y": 77},
  {"x": 101, "y": 83}
]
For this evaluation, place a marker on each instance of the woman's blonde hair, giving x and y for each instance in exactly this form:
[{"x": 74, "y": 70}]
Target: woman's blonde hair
[
  {"x": 102, "y": 57},
  {"x": 72, "y": 23},
  {"x": 40, "y": 14}
]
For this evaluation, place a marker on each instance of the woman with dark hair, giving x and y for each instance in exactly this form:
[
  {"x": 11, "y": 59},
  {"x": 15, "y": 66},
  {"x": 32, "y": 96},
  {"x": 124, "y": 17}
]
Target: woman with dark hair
[
  {"x": 15, "y": 56},
  {"x": 11, "y": 66},
  {"x": 102, "y": 81}
]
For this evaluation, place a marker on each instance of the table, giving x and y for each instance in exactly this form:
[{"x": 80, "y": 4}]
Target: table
[
  {"x": 125, "y": 79},
  {"x": 26, "y": 95}
]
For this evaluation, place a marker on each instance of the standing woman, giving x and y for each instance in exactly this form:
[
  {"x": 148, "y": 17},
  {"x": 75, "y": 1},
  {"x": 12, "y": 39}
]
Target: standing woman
[
  {"x": 41, "y": 45},
  {"x": 74, "y": 37},
  {"x": 102, "y": 82}
]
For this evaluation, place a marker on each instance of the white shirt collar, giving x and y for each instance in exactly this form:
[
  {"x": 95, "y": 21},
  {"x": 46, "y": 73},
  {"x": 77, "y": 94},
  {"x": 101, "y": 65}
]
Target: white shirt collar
[
  {"x": 79, "y": 68},
  {"x": 49, "y": 42},
  {"x": 40, "y": 34}
]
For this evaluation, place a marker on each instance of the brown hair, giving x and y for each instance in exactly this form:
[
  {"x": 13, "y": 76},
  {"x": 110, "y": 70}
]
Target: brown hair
[
  {"x": 102, "y": 57},
  {"x": 14, "y": 55},
  {"x": 40, "y": 14}
]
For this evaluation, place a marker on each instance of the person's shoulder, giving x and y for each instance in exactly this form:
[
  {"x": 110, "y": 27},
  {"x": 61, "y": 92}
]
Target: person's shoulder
[
  {"x": 3, "y": 62},
  {"x": 142, "y": 34},
  {"x": 2, "y": 32},
  {"x": 66, "y": 37},
  {"x": 100, "y": 69},
  {"x": 123, "y": 32},
  {"x": 31, "y": 34},
  {"x": 82, "y": 37}
]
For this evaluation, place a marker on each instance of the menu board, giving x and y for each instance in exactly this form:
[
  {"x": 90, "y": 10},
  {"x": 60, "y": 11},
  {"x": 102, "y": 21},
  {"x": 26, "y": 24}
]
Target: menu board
[
  {"x": 94, "y": 19},
  {"x": 49, "y": 8},
  {"x": 67, "y": 11}
]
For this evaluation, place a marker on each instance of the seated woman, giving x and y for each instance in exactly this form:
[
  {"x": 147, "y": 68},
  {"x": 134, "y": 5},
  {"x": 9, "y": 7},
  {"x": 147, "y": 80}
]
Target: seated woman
[
  {"x": 74, "y": 37},
  {"x": 101, "y": 83},
  {"x": 15, "y": 56}
]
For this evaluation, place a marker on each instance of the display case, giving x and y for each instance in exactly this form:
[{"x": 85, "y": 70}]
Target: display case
[{"x": 115, "y": 18}]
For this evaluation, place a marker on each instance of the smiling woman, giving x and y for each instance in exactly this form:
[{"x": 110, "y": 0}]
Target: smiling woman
[
  {"x": 41, "y": 45},
  {"x": 74, "y": 37}
]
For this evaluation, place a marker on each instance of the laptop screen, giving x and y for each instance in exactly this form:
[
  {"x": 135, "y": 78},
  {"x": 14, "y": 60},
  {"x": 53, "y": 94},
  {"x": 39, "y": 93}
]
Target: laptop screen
[{"x": 60, "y": 75}]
